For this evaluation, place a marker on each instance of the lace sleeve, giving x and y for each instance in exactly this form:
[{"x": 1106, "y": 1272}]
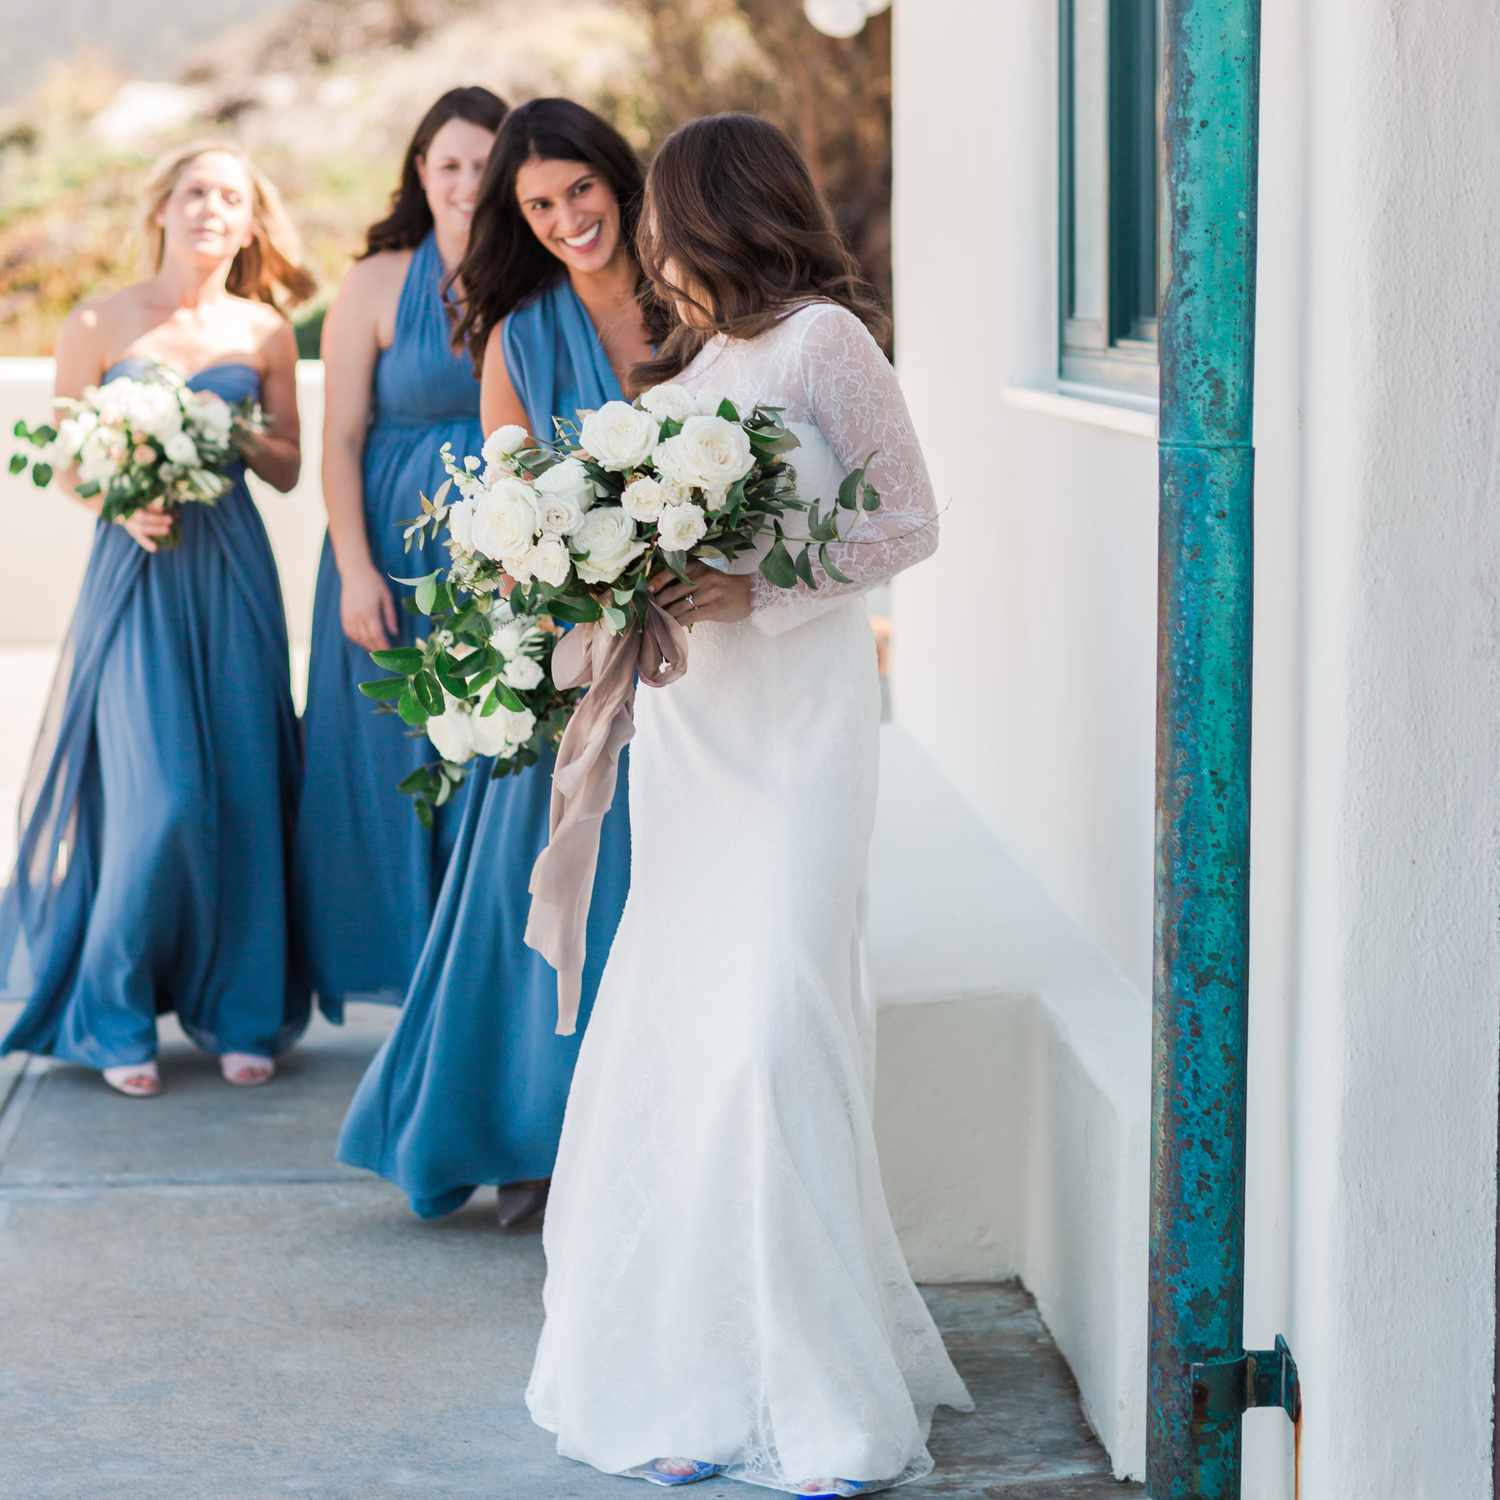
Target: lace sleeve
[{"x": 855, "y": 399}]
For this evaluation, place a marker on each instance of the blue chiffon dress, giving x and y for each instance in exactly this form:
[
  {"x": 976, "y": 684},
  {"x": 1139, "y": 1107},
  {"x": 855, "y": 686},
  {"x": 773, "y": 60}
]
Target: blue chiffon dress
[
  {"x": 470, "y": 1087},
  {"x": 367, "y": 872},
  {"x": 155, "y": 826}
]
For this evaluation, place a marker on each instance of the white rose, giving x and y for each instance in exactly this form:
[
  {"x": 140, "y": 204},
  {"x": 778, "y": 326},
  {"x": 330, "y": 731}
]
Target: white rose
[
  {"x": 567, "y": 478},
  {"x": 562, "y": 515},
  {"x": 680, "y": 527},
  {"x": 716, "y": 452},
  {"x": 669, "y": 403},
  {"x": 212, "y": 417},
  {"x": 181, "y": 449},
  {"x": 518, "y": 565},
  {"x": 461, "y": 524},
  {"x": 155, "y": 411},
  {"x": 503, "y": 731},
  {"x": 452, "y": 734},
  {"x": 71, "y": 433},
  {"x": 608, "y": 536},
  {"x": 512, "y": 637},
  {"x": 505, "y": 519},
  {"x": 502, "y": 442},
  {"x": 101, "y": 455},
  {"x": 618, "y": 436},
  {"x": 671, "y": 463},
  {"x": 549, "y": 561},
  {"x": 644, "y": 498},
  {"x": 522, "y": 673}
]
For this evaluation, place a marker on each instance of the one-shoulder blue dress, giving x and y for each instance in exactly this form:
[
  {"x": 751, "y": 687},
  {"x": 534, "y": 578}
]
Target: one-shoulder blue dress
[
  {"x": 155, "y": 829},
  {"x": 367, "y": 872},
  {"x": 470, "y": 1087}
]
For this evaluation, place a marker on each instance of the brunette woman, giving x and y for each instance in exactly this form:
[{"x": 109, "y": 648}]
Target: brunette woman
[
  {"x": 156, "y": 822},
  {"x": 725, "y": 1292},
  {"x": 471, "y": 1086},
  {"x": 368, "y": 872}
]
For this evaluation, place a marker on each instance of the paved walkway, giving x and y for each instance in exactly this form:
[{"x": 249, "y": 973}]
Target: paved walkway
[{"x": 196, "y": 1303}]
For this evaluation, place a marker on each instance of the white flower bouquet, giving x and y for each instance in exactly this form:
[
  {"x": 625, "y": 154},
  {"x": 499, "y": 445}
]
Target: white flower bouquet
[
  {"x": 573, "y": 530},
  {"x": 581, "y": 524},
  {"x": 137, "y": 440}
]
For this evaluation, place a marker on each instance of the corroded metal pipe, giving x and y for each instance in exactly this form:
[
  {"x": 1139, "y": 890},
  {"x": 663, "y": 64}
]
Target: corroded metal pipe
[{"x": 1204, "y": 615}]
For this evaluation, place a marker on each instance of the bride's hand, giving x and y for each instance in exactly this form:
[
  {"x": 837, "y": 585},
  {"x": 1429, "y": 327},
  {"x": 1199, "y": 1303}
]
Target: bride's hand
[{"x": 711, "y": 596}]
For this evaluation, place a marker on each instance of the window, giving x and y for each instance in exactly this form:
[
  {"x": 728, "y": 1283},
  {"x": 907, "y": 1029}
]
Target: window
[{"x": 1110, "y": 171}]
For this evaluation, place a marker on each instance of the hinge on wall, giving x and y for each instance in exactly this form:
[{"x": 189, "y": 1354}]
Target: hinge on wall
[{"x": 1226, "y": 1389}]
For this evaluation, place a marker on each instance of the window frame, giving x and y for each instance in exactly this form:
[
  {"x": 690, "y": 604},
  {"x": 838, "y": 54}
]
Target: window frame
[{"x": 1116, "y": 351}]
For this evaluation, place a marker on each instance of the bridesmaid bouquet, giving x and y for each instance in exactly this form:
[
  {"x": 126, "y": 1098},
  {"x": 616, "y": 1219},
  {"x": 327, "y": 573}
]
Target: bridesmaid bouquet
[
  {"x": 136, "y": 440},
  {"x": 479, "y": 685}
]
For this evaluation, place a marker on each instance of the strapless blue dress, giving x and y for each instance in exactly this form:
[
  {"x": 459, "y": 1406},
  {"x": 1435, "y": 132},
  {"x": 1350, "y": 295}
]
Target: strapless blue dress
[
  {"x": 367, "y": 872},
  {"x": 470, "y": 1087},
  {"x": 155, "y": 829}
]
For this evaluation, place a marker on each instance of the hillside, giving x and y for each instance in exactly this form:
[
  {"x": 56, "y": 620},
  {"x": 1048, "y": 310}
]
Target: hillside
[{"x": 326, "y": 92}]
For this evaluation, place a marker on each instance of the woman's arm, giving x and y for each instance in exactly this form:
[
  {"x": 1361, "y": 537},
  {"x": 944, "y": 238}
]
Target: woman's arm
[
  {"x": 499, "y": 405},
  {"x": 351, "y": 348},
  {"x": 858, "y": 406},
  {"x": 276, "y": 453}
]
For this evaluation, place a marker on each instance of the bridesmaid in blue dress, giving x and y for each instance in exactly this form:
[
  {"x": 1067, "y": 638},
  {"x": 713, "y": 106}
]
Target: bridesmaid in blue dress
[
  {"x": 367, "y": 872},
  {"x": 156, "y": 822},
  {"x": 470, "y": 1087}
]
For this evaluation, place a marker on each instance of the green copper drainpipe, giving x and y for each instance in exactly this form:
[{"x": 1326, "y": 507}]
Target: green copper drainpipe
[{"x": 1201, "y": 1379}]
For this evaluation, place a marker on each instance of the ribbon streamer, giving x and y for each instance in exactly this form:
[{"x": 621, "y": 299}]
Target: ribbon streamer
[{"x": 583, "y": 782}]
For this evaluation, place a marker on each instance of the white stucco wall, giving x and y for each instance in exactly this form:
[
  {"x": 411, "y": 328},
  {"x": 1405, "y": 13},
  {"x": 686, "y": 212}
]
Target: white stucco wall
[{"x": 1025, "y": 662}]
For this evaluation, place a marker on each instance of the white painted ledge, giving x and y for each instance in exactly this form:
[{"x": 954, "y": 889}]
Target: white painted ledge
[
  {"x": 1084, "y": 404},
  {"x": 1012, "y": 1103}
]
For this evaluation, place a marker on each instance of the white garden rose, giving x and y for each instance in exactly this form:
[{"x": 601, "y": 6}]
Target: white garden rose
[
  {"x": 670, "y": 403},
  {"x": 680, "y": 527},
  {"x": 522, "y": 673},
  {"x": 71, "y": 432},
  {"x": 511, "y": 637},
  {"x": 644, "y": 498},
  {"x": 569, "y": 478},
  {"x": 716, "y": 452},
  {"x": 181, "y": 449},
  {"x": 461, "y": 523},
  {"x": 154, "y": 410},
  {"x": 502, "y": 442},
  {"x": 503, "y": 731},
  {"x": 505, "y": 520},
  {"x": 549, "y": 561},
  {"x": 563, "y": 514},
  {"x": 102, "y": 454},
  {"x": 608, "y": 536},
  {"x": 619, "y": 437},
  {"x": 671, "y": 463},
  {"x": 213, "y": 418},
  {"x": 452, "y": 734}
]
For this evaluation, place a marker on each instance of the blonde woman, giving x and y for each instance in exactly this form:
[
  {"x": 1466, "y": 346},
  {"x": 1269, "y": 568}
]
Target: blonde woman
[{"x": 154, "y": 824}]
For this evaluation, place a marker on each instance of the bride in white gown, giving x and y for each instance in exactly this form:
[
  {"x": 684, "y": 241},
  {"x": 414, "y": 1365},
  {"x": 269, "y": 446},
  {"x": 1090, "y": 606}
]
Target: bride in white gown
[{"x": 725, "y": 1291}]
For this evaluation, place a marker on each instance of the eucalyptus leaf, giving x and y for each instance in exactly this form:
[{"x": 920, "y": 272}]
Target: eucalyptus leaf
[
  {"x": 829, "y": 568},
  {"x": 777, "y": 567},
  {"x": 616, "y": 619},
  {"x": 803, "y": 563}
]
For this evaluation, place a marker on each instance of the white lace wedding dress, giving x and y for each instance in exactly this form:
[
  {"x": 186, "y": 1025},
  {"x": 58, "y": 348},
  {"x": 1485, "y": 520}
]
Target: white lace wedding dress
[{"x": 723, "y": 1280}]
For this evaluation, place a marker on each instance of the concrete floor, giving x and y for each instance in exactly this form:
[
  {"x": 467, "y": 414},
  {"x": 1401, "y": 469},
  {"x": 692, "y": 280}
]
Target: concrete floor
[{"x": 196, "y": 1303}]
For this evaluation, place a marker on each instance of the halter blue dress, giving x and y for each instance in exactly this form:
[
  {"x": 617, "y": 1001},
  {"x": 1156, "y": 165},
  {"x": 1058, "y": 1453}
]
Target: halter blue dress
[
  {"x": 469, "y": 1088},
  {"x": 367, "y": 872},
  {"x": 155, "y": 829}
]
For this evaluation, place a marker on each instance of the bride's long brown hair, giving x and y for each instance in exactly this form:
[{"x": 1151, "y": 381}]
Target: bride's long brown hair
[{"x": 735, "y": 233}]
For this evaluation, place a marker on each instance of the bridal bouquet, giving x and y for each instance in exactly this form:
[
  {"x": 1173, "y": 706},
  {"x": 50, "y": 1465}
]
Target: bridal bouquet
[
  {"x": 581, "y": 524},
  {"x": 574, "y": 529},
  {"x": 479, "y": 684},
  {"x": 141, "y": 439}
]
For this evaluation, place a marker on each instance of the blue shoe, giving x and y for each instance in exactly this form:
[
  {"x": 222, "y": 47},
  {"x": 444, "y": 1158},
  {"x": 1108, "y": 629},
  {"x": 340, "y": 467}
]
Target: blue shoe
[
  {"x": 653, "y": 1475},
  {"x": 843, "y": 1488}
]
